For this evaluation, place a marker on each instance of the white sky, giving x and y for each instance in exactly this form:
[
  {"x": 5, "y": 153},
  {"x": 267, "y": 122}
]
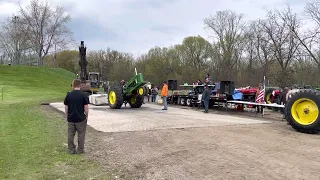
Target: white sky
[{"x": 137, "y": 25}]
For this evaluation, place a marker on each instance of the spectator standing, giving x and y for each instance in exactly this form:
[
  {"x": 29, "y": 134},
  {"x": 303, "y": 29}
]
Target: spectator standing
[
  {"x": 149, "y": 92},
  {"x": 259, "y": 108},
  {"x": 154, "y": 94},
  {"x": 207, "y": 79},
  {"x": 206, "y": 98},
  {"x": 77, "y": 110},
  {"x": 164, "y": 95},
  {"x": 283, "y": 101}
]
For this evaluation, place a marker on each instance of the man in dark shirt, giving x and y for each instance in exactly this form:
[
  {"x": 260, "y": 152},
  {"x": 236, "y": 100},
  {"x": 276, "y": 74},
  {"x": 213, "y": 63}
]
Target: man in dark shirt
[
  {"x": 206, "y": 98},
  {"x": 77, "y": 110}
]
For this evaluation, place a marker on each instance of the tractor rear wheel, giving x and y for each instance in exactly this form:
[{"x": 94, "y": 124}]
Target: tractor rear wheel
[
  {"x": 302, "y": 111},
  {"x": 268, "y": 96},
  {"x": 136, "y": 101},
  {"x": 115, "y": 97}
]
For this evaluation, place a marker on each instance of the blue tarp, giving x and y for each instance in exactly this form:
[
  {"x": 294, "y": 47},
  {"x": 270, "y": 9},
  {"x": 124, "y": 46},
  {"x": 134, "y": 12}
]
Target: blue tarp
[{"x": 237, "y": 95}]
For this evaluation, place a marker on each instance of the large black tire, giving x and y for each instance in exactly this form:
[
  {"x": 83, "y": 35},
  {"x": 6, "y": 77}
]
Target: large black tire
[
  {"x": 146, "y": 91},
  {"x": 268, "y": 96},
  {"x": 302, "y": 111},
  {"x": 136, "y": 101},
  {"x": 142, "y": 91},
  {"x": 115, "y": 97}
]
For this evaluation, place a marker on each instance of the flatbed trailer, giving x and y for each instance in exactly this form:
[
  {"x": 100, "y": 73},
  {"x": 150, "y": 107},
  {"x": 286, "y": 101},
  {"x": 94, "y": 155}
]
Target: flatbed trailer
[
  {"x": 194, "y": 100},
  {"x": 193, "y": 97}
]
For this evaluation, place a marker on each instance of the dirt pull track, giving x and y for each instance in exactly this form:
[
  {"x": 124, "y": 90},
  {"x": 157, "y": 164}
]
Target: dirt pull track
[
  {"x": 265, "y": 151},
  {"x": 255, "y": 151}
]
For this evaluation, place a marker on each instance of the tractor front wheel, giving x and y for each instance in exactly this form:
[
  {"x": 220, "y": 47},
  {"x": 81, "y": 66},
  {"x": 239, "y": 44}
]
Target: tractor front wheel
[
  {"x": 302, "y": 111},
  {"x": 143, "y": 91},
  {"x": 115, "y": 97},
  {"x": 136, "y": 101}
]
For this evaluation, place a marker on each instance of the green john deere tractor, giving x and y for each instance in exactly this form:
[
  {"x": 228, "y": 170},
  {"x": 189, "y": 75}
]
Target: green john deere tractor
[
  {"x": 302, "y": 110},
  {"x": 131, "y": 92}
]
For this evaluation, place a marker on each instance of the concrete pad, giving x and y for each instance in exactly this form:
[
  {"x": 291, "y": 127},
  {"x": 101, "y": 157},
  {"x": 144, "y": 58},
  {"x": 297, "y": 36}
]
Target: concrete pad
[
  {"x": 98, "y": 99},
  {"x": 151, "y": 117}
]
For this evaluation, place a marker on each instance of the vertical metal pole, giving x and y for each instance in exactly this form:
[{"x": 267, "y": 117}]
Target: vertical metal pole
[{"x": 2, "y": 92}]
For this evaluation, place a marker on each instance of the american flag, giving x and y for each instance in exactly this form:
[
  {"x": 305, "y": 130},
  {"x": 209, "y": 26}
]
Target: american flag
[{"x": 260, "y": 98}]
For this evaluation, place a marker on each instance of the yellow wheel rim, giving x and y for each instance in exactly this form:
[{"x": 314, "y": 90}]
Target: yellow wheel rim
[
  {"x": 305, "y": 111},
  {"x": 141, "y": 91},
  {"x": 112, "y": 97},
  {"x": 133, "y": 100},
  {"x": 268, "y": 98}
]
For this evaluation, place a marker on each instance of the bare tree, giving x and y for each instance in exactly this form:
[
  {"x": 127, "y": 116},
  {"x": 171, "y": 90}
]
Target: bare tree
[
  {"x": 313, "y": 11},
  {"x": 46, "y": 25},
  {"x": 263, "y": 47},
  {"x": 250, "y": 54},
  {"x": 227, "y": 27},
  {"x": 310, "y": 39},
  {"x": 283, "y": 42},
  {"x": 13, "y": 39}
]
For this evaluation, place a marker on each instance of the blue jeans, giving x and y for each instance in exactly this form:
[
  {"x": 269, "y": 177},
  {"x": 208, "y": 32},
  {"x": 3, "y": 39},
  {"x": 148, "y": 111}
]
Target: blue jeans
[
  {"x": 165, "y": 104},
  {"x": 206, "y": 104},
  {"x": 154, "y": 97}
]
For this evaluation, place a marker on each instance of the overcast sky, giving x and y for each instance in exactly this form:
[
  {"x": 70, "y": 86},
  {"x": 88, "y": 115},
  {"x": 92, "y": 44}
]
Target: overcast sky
[{"x": 137, "y": 25}]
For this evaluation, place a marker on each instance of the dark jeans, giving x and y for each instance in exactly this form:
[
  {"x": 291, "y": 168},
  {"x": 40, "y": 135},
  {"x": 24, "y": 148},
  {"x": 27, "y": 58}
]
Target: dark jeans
[
  {"x": 80, "y": 128},
  {"x": 153, "y": 98},
  {"x": 206, "y": 104},
  {"x": 259, "y": 109}
]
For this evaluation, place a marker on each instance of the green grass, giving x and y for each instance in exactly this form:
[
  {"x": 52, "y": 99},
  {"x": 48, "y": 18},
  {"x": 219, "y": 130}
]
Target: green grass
[
  {"x": 33, "y": 141},
  {"x": 22, "y": 84}
]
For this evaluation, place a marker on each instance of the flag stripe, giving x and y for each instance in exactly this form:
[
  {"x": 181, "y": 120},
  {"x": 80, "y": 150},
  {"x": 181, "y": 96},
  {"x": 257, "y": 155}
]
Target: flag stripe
[{"x": 260, "y": 98}]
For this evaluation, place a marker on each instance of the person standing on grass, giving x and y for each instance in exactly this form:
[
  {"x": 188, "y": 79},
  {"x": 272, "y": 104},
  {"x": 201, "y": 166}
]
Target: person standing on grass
[
  {"x": 164, "y": 95},
  {"x": 77, "y": 109},
  {"x": 206, "y": 98}
]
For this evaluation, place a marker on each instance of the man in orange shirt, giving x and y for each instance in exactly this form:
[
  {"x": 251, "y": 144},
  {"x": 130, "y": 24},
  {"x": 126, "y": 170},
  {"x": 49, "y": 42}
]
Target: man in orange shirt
[{"x": 164, "y": 94}]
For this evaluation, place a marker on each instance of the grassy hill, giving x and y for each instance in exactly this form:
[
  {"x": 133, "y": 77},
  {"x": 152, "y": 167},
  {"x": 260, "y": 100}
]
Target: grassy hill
[
  {"x": 22, "y": 84},
  {"x": 32, "y": 137}
]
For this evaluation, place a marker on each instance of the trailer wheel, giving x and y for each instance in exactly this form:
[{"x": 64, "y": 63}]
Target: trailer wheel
[
  {"x": 188, "y": 102},
  {"x": 136, "y": 101},
  {"x": 115, "y": 97},
  {"x": 302, "y": 111},
  {"x": 183, "y": 101}
]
